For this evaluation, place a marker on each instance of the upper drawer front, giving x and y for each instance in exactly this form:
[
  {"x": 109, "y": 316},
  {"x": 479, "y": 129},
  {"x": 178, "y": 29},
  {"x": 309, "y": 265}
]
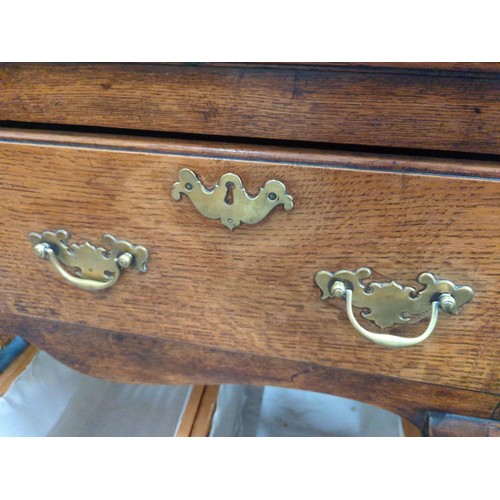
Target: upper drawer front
[
  {"x": 252, "y": 289},
  {"x": 379, "y": 107}
]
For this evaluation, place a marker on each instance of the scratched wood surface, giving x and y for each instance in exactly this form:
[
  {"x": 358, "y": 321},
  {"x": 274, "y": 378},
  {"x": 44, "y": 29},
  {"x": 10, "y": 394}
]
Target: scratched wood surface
[
  {"x": 251, "y": 291},
  {"x": 455, "y": 109}
]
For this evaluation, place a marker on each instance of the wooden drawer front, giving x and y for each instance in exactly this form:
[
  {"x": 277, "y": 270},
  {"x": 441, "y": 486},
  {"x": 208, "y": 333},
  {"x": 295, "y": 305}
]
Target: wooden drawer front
[
  {"x": 252, "y": 290},
  {"x": 450, "y": 109}
]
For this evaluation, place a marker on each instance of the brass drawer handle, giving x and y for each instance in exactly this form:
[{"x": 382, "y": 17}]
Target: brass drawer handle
[
  {"x": 387, "y": 304},
  {"x": 229, "y": 201},
  {"x": 95, "y": 268}
]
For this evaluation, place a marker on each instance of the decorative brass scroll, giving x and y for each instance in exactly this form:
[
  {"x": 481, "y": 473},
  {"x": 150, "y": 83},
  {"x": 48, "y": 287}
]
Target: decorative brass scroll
[
  {"x": 229, "y": 201},
  {"x": 94, "y": 268},
  {"x": 390, "y": 303}
]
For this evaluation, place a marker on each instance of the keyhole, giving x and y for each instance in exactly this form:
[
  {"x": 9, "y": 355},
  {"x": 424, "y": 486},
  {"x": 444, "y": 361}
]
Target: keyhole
[{"x": 229, "y": 193}]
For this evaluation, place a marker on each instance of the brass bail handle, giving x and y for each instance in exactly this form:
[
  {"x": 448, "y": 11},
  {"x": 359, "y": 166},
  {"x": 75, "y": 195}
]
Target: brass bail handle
[
  {"x": 94, "y": 268},
  {"x": 445, "y": 302},
  {"x": 391, "y": 303}
]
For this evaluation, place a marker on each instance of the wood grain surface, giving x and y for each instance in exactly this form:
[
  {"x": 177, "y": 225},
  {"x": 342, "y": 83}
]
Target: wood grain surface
[
  {"x": 302, "y": 156},
  {"x": 467, "y": 67},
  {"x": 251, "y": 291},
  {"x": 142, "y": 359},
  {"x": 395, "y": 107}
]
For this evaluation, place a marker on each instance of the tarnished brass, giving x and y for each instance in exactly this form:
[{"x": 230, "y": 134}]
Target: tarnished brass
[
  {"x": 94, "y": 268},
  {"x": 387, "y": 304},
  {"x": 229, "y": 201}
]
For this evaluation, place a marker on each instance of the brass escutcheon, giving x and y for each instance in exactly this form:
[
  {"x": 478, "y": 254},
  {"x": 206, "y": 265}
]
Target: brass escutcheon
[
  {"x": 94, "y": 268},
  {"x": 390, "y": 303},
  {"x": 229, "y": 201}
]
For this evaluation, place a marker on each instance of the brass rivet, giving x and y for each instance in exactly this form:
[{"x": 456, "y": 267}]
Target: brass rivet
[
  {"x": 124, "y": 260},
  {"x": 446, "y": 302},
  {"x": 338, "y": 290},
  {"x": 41, "y": 250}
]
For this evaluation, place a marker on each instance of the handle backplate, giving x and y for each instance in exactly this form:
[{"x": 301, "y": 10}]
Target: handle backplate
[
  {"x": 92, "y": 268},
  {"x": 390, "y": 303}
]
